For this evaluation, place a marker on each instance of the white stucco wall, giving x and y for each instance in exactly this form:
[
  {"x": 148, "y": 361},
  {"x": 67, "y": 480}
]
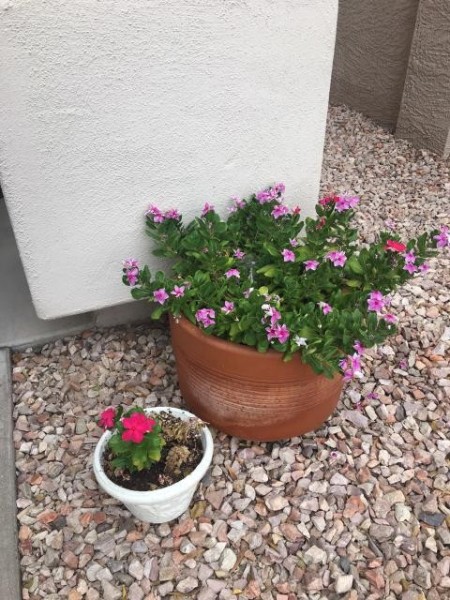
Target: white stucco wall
[{"x": 106, "y": 106}]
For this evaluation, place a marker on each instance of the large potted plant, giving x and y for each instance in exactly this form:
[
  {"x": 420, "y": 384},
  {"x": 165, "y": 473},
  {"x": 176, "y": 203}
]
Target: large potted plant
[
  {"x": 152, "y": 460},
  {"x": 270, "y": 313}
]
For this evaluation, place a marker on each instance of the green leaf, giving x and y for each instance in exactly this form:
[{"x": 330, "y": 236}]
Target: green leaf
[
  {"x": 354, "y": 265},
  {"x": 156, "y": 314}
]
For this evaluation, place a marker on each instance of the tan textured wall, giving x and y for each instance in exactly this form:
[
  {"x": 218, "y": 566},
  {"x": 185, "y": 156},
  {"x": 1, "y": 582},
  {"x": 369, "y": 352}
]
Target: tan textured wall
[
  {"x": 425, "y": 112},
  {"x": 371, "y": 58}
]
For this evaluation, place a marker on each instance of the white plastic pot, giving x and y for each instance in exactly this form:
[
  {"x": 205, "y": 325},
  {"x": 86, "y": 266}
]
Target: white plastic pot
[{"x": 165, "y": 504}]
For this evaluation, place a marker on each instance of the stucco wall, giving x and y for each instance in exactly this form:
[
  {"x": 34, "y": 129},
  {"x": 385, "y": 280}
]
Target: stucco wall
[
  {"x": 372, "y": 49},
  {"x": 424, "y": 118},
  {"x": 106, "y": 106}
]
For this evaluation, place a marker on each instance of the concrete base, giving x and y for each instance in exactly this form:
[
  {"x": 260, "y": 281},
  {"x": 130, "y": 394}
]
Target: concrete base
[
  {"x": 10, "y": 587},
  {"x": 19, "y": 324}
]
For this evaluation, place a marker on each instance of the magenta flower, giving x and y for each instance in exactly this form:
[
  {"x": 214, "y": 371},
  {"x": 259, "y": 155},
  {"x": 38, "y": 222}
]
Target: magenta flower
[
  {"x": 178, "y": 291},
  {"x": 237, "y": 203},
  {"x": 206, "y": 316},
  {"x": 232, "y": 273},
  {"x": 107, "y": 418},
  {"x": 327, "y": 200},
  {"x": 154, "y": 212},
  {"x": 443, "y": 238},
  {"x": 160, "y": 295},
  {"x": 270, "y": 193},
  {"x": 376, "y": 301},
  {"x": 390, "y": 318},
  {"x": 337, "y": 257},
  {"x": 279, "y": 211},
  {"x": 358, "y": 347},
  {"x": 136, "y": 426},
  {"x": 172, "y": 213},
  {"x": 326, "y": 308},
  {"x": 239, "y": 254},
  {"x": 207, "y": 208},
  {"x": 293, "y": 243},
  {"x": 288, "y": 255},
  {"x": 424, "y": 267},
  {"x": 228, "y": 307},
  {"x": 311, "y": 265}
]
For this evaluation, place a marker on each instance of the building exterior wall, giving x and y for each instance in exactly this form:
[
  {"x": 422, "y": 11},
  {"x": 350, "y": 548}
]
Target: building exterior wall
[
  {"x": 107, "y": 106},
  {"x": 424, "y": 117},
  {"x": 372, "y": 49}
]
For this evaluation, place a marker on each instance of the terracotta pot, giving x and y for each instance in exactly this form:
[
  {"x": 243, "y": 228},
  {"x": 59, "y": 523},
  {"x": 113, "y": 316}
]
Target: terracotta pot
[{"x": 248, "y": 394}]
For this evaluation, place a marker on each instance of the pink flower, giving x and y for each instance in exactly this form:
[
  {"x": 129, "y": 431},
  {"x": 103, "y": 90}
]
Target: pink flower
[
  {"x": 279, "y": 188},
  {"x": 410, "y": 267},
  {"x": 131, "y": 269},
  {"x": 351, "y": 367},
  {"x": 293, "y": 243},
  {"x": 160, "y": 295},
  {"x": 272, "y": 313},
  {"x": 410, "y": 257},
  {"x": 390, "y": 318},
  {"x": 132, "y": 276},
  {"x": 239, "y": 254},
  {"x": 311, "y": 265},
  {"x": 394, "y": 246},
  {"x": 206, "y": 316},
  {"x": 107, "y": 418},
  {"x": 338, "y": 258},
  {"x": 278, "y": 332},
  {"x": 153, "y": 211},
  {"x": 443, "y": 238},
  {"x": 136, "y": 426},
  {"x": 358, "y": 347},
  {"x": 424, "y": 267},
  {"x": 326, "y": 308},
  {"x": 269, "y": 194},
  {"x": 296, "y": 210},
  {"x": 178, "y": 292},
  {"x": 232, "y": 273},
  {"x": 228, "y": 307},
  {"x": 288, "y": 255},
  {"x": 280, "y": 210},
  {"x": 345, "y": 202},
  {"x": 130, "y": 263},
  {"x": 238, "y": 203},
  {"x": 172, "y": 213},
  {"x": 207, "y": 208},
  {"x": 376, "y": 301}
]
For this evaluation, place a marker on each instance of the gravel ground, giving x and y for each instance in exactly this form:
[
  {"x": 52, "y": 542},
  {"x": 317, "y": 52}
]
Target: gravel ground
[{"x": 359, "y": 510}]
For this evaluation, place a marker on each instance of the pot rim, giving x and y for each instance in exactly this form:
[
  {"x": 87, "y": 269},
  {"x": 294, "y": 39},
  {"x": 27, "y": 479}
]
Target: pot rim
[
  {"x": 166, "y": 493},
  {"x": 213, "y": 340}
]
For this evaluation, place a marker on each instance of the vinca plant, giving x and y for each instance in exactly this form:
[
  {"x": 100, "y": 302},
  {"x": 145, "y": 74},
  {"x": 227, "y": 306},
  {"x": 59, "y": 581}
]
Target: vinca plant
[{"x": 265, "y": 278}]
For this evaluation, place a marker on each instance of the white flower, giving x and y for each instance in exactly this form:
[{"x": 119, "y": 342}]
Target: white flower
[{"x": 300, "y": 341}]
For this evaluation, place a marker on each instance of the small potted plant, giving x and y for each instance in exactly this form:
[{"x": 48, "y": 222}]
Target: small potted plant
[
  {"x": 271, "y": 313},
  {"x": 152, "y": 460}
]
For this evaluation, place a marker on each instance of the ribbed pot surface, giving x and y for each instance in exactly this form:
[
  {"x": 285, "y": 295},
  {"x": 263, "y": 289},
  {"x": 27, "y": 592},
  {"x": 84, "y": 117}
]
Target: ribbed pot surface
[{"x": 248, "y": 394}]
